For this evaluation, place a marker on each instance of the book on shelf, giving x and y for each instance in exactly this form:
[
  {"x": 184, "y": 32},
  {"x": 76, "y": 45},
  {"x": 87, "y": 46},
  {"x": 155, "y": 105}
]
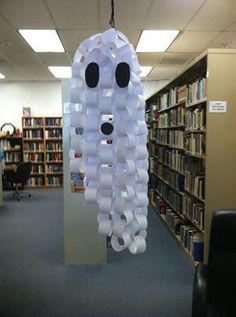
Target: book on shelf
[
  {"x": 53, "y": 122},
  {"x": 181, "y": 93},
  {"x": 196, "y": 119},
  {"x": 35, "y": 181},
  {"x": 32, "y": 122},
  {"x": 198, "y": 247},
  {"x": 53, "y": 133},
  {"x": 33, "y": 134},
  {"x": 196, "y": 91},
  {"x": 54, "y": 180}
]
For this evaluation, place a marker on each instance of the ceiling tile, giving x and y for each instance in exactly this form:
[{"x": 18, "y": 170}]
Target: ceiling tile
[
  {"x": 225, "y": 40},
  {"x": 127, "y": 13},
  {"x": 71, "y": 14},
  {"x": 54, "y": 59},
  {"x": 26, "y": 14},
  {"x": 191, "y": 42},
  {"x": 72, "y": 38},
  {"x": 132, "y": 35},
  {"x": 171, "y": 14},
  {"x": 215, "y": 15},
  {"x": 150, "y": 59},
  {"x": 160, "y": 72},
  {"x": 38, "y": 72},
  {"x": 177, "y": 58},
  {"x": 23, "y": 59},
  {"x": 232, "y": 27},
  {"x": 13, "y": 73}
]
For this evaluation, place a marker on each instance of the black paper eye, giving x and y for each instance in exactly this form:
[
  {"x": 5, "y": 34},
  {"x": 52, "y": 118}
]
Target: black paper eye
[
  {"x": 107, "y": 128},
  {"x": 92, "y": 75},
  {"x": 122, "y": 74}
]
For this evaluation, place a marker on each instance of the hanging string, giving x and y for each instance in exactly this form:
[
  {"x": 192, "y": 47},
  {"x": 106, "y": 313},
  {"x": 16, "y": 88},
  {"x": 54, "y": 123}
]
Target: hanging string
[{"x": 112, "y": 19}]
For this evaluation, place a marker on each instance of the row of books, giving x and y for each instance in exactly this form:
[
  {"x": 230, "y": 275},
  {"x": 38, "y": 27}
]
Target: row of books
[
  {"x": 195, "y": 143},
  {"x": 33, "y": 146},
  {"x": 32, "y": 122},
  {"x": 54, "y": 157},
  {"x": 33, "y": 134},
  {"x": 168, "y": 99},
  {"x": 53, "y": 133},
  {"x": 174, "y": 117},
  {"x": 196, "y": 90},
  {"x": 54, "y": 180},
  {"x": 153, "y": 148},
  {"x": 173, "y": 179},
  {"x": 193, "y": 209},
  {"x": 152, "y": 134},
  {"x": 170, "y": 195},
  {"x": 173, "y": 158},
  {"x": 195, "y": 184},
  {"x": 54, "y": 168},
  {"x": 54, "y": 146},
  {"x": 153, "y": 165},
  {"x": 154, "y": 112},
  {"x": 33, "y": 157},
  {"x": 196, "y": 119},
  {"x": 174, "y": 138},
  {"x": 191, "y": 238},
  {"x": 12, "y": 157},
  {"x": 35, "y": 181},
  {"x": 53, "y": 122},
  {"x": 193, "y": 241},
  {"x": 37, "y": 169},
  {"x": 6, "y": 144}
]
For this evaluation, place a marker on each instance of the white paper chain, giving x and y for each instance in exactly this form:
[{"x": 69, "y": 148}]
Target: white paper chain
[{"x": 108, "y": 127}]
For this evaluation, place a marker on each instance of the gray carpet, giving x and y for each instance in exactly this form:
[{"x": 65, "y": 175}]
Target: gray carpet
[{"x": 35, "y": 283}]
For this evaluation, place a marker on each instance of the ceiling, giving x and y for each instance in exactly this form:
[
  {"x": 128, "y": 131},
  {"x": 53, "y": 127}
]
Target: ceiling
[{"x": 203, "y": 24}]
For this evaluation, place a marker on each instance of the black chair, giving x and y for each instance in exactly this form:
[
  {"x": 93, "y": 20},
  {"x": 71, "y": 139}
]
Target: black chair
[
  {"x": 19, "y": 178},
  {"x": 214, "y": 286}
]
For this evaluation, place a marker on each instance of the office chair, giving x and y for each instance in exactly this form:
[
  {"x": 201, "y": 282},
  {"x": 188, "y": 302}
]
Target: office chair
[
  {"x": 214, "y": 286},
  {"x": 19, "y": 178}
]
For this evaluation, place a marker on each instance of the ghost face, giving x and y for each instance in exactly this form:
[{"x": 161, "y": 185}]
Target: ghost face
[{"x": 108, "y": 127}]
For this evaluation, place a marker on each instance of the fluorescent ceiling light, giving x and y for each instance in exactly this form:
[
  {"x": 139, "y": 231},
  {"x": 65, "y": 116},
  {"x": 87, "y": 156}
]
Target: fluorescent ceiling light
[
  {"x": 60, "y": 71},
  {"x": 43, "y": 40},
  {"x": 145, "y": 70},
  {"x": 2, "y": 76},
  {"x": 155, "y": 40}
]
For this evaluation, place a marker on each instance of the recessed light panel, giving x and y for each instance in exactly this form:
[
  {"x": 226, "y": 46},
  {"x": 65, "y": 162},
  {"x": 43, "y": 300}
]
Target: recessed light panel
[
  {"x": 60, "y": 71},
  {"x": 2, "y": 76},
  {"x": 155, "y": 40},
  {"x": 43, "y": 40}
]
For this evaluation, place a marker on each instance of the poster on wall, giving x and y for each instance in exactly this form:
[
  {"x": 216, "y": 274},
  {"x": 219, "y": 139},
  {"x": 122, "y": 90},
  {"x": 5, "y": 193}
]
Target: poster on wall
[{"x": 26, "y": 111}]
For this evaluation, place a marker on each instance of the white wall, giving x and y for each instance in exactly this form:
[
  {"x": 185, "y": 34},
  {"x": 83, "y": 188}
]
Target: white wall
[
  {"x": 152, "y": 86},
  {"x": 44, "y": 99}
]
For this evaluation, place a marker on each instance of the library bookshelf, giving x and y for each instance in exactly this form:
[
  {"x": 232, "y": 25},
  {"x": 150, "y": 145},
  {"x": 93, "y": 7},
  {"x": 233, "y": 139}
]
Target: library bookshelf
[
  {"x": 192, "y": 148},
  {"x": 42, "y": 146},
  {"x": 12, "y": 147}
]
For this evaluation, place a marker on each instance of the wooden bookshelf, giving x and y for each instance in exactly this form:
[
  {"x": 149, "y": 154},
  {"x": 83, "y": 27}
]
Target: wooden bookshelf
[
  {"x": 192, "y": 164},
  {"x": 42, "y": 145},
  {"x": 12, "y": 147}
]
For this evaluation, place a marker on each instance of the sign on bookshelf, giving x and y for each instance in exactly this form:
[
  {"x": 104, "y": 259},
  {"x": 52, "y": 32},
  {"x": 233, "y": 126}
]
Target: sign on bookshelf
[{"x": 218, "y": 106}]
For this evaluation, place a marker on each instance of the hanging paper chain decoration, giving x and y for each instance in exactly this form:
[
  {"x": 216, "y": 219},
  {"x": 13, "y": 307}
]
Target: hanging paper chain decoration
[{"x": 108, "y": 127}]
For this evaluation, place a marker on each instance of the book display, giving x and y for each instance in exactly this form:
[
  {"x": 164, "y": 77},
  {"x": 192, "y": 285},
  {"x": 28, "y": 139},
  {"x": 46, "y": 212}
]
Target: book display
[
  {"x": 191, "y": 156},
  {"x": 42, "y": 145}
]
